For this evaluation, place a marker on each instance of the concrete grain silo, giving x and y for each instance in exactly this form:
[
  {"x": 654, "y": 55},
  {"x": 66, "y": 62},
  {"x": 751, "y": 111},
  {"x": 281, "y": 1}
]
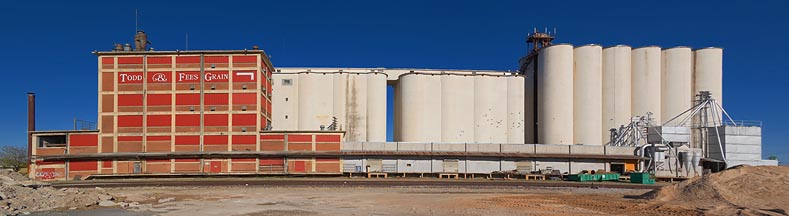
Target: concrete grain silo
[
  {"x": 616, "y": 88},
  {"x": 587, "y": 96},
  {"x": 340, "y": 91},
  {"x": 376, "y": 107},
  {"x": 356, "y": 107},
  {"x": 646, "y": 79},
  {"x": 530, "y": 103},
  {"x": 676, "y": 91},
  {"x": 419, "y": 98},
  {"x": 315, "y": 90},
  {"x": 515, "y": 109},
  {"x": 490, "y": 109},
  {"x": 457, "y": 105},
  {"x": 555, "y": 95},
  {"x": 708, "y": 74}
]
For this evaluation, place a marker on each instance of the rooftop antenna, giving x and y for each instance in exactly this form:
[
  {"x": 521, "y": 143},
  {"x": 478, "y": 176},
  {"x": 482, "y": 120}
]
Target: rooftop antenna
[{"x": 136, "y": 21}]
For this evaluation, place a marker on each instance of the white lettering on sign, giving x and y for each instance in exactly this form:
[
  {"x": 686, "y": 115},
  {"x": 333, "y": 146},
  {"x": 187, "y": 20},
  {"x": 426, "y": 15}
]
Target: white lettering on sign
[
  {"x": 250, "y": 74},
  {"x": 130, "y": 77},
  {"x": 159, "y": 77},
  {"x": 187, "y": 77},
  {"x": 211, "y": 76}
]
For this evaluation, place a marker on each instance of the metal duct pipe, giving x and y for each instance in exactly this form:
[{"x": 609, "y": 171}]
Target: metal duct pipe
[{"x": 31, "y": 122}]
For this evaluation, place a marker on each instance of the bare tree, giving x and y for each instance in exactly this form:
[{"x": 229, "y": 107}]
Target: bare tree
[{"x": 13, "y": 157}]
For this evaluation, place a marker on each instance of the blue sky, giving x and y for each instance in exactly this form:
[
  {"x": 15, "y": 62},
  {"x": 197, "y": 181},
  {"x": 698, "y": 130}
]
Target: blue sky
[{"x": 47, "y": 45}]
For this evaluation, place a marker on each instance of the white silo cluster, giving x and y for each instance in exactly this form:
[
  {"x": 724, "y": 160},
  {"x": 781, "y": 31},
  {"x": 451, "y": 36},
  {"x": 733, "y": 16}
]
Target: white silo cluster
[
  {"x": 356, "y": 100},
  {"x": 580, "y": 93},
  {"x": 459, "y": 108}
]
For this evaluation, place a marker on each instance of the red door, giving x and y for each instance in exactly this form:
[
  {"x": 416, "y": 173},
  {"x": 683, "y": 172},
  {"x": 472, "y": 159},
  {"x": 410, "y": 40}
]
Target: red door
[
  {"x": 216, "y": 166},
  {"x": 299, "y": 166}
]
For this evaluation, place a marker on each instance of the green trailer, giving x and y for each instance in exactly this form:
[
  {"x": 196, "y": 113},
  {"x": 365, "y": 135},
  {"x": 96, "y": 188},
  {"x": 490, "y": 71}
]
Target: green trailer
[{"x": 641, "y": 178}]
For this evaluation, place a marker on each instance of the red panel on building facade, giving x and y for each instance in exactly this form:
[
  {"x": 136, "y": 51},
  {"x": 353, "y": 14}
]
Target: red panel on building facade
[
  {"x": 187, "y": 120},
  {"x": 83, "y": 140},
  {"x": 272, "y": 161},
  {"x": 239, "y": 139},
  {"x": 130, "y": 121},
  {"x": 187, "y": 77},
  {"x": 215, "y": 59},
  {"x": 244, "y": 159},
  {"x": 245, "y": 59},
  {"x": 272, "y": 137},
  {"x": 129, "y": 60},
  {"x": 216, "y": 99},
  {"x": 327, "y": 138},
  {"x": 159, "y": 60},
  {"x": 158, "y": 160},
  {"x": 129, "y": 100},
  {"x": 299, "y": 138},
  {"x": 215, "y": 119},
  {"x": 187, "y": 160},
  {"x": 130, "y": 77},
  {"x": 158, "y": 120},
  {"x": 160, "y": 77},
  {"x": 216, "y": 76},
  {"x": 245, "y": 98},
  {"x": 215, "y": 140},
  {"x": 187, "y": 59},
  {"x": 327, "y": 160},
  {"x": 107, "y": 60},
  {"x": 160, "y": 99},
  {"x": 106, "y": 164},
  {"x": 83, "y": 165},
  {"x": 187, "y": 140},
  {"x": 244, "y": 120},
  {"x": 129, "y": 138},
  {"x": 157, "y": 138},
  {"x": 187, "y": 99},
  {"x": 244, "y": 76}
]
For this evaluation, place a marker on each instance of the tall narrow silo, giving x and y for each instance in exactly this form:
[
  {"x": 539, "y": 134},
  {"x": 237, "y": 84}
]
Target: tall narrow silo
[
  {"x": 420, "y": 108},
  {"x": 376, "y": 107},
  {"x": 676, "y": 91},
  {"x": 340, "y": 91},
  {"x": 490, "y": 109},
  {"x": 708, "y": 75},
  {"x": 616, "y": 89},
  {"x": 457, "y": 106},
  {"x": 356, "y": 108},
  {"x": 646, "y": 87},
  {"x": 555, "y": 95},
  {"x": 316, "y": 102},
  {"x": 515, "y": 109},
  {"x": 587, "y": 94}
]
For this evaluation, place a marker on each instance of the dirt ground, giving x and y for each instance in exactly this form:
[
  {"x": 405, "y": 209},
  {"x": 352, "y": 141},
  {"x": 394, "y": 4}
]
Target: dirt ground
[{"x": 254, "y": 201}]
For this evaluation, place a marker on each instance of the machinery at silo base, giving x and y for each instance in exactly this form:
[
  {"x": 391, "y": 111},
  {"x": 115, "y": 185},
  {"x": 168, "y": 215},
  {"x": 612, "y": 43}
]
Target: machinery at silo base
[{"x": 688, "y": 145}]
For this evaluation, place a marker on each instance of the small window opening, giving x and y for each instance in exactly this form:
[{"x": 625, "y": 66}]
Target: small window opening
[
  {"x": 287, "y": 82},
  {"x": 192, "y": 87},
  {"x": 243, "y": 108},
  {"x": 244, "y": 86},
  {"x": 213, "y": 108},
  {"x": 192, "y": 108}
]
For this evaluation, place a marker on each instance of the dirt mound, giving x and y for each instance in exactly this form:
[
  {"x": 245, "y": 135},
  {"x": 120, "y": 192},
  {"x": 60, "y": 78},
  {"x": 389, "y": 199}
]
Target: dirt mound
[
  {"x": 19, "y": 195},
  {"x": 739, "y": 190}
]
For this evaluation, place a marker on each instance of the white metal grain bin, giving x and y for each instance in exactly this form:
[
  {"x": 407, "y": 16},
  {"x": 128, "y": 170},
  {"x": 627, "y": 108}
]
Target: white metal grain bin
[
  {"x": 616, "y": 88},
  {"x": 676, "y": 92},
  {"x": 646, "y": 82},
  {"x": 587, "y": 96},
  {"x": 555, "y": 95},
  {"x": 457, "y": 106}
]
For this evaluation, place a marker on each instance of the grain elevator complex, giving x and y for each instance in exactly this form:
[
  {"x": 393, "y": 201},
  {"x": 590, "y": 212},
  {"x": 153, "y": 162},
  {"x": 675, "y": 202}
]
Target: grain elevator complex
[{"x": 568, "y": 109}]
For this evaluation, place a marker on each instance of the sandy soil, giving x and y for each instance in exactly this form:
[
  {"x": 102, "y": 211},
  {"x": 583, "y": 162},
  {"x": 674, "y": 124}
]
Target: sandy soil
[{"x": 389, "y": 201}]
